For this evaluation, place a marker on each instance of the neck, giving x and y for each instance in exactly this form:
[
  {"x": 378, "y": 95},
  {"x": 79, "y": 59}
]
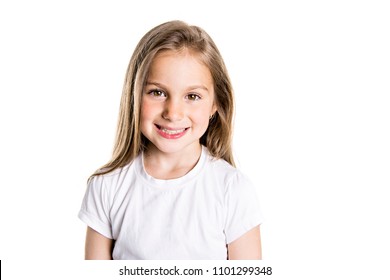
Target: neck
[{"x": 161, "y": 165}]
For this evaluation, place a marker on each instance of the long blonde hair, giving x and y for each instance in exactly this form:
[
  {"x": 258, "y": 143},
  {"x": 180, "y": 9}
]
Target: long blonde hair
[{"x": 172, "y": 35}]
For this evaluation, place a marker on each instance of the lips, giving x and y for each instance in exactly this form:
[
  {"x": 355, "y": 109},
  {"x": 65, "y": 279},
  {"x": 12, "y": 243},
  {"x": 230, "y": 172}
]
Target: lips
[{"x": 171, "y": 133}]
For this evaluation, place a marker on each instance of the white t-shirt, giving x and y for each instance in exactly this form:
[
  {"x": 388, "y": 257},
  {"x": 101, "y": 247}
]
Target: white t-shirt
[{"x": 192, "y": 217}]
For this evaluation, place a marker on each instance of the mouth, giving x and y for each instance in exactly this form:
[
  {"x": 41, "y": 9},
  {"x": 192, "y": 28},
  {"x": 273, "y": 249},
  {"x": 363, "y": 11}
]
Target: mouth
[{"x": 171, "y": 133}]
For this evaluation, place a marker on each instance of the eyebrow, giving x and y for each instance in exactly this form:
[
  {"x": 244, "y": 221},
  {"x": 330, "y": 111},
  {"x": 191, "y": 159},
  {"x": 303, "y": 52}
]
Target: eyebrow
[{"x": 148, "y": 83}]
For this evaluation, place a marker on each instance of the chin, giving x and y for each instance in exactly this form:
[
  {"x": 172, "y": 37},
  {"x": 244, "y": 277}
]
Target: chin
[{"x": 170, "y": 149}]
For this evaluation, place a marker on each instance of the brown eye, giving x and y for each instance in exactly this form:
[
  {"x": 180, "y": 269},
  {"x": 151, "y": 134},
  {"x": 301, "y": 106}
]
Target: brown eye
[
  {"x": 193, "y": 97},
  {"x": 157, "y": 93}
]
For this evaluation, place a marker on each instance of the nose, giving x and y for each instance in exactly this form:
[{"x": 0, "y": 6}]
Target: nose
[{"x": 173, "y": 110}]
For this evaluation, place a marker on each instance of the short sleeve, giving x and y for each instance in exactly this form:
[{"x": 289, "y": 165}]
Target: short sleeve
[
  {"x": 241, "y": 207},
  {"x": 95, "y": 207}
]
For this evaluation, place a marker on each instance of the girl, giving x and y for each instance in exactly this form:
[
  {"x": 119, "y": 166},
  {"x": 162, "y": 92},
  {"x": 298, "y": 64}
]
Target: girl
[{"x": 171, "y": 190}]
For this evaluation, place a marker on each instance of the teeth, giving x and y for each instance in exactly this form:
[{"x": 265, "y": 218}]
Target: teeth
[{"x": 167, "y": 131}]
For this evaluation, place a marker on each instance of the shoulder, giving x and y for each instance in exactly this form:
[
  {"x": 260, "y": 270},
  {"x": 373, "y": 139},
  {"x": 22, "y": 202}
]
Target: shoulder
[
  {"x": 225, "y": 173},
  {"x": 110, "y": 182}
]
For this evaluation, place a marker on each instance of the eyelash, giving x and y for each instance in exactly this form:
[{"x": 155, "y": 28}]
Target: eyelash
[
  {"x": 160, "y": 93},
  {"x": 196, "y": 96}
]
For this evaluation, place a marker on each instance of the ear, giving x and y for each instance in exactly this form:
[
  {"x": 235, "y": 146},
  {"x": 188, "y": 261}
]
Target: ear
[{"x": 213, "y": 109}]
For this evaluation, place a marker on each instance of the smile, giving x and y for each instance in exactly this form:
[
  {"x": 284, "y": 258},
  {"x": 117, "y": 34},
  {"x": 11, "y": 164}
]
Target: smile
[{"x": 171, "y": 133}]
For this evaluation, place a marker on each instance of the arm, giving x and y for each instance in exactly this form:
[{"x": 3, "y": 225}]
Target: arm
[
  {"x": 97, "y": 246},
  {"x": 246, "y": 247}
]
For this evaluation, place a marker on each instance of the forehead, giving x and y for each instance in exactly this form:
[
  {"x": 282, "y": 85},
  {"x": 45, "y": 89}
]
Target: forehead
[
  {"x": 184, "y": 52},
  {"x": 180, "y": 67},
  {"x": 183, "y": 57}
]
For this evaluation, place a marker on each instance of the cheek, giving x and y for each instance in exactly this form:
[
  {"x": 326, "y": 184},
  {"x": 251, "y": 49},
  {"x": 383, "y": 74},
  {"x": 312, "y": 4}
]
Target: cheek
[
  {"x": 147, "y": 111},
  {"x": 201, "y": 117},
  {"x": 146, "y": 118}
]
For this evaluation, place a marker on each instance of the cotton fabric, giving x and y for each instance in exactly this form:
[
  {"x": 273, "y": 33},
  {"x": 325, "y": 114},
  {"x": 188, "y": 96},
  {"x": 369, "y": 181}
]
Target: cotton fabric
[{"x": 191, "y": 217}]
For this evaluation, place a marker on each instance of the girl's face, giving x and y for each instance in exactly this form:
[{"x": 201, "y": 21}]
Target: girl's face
[{"x": 177, "y": 102}]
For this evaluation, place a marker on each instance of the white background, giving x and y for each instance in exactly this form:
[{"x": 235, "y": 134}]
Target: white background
[{"x": 312, "y": 130}]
